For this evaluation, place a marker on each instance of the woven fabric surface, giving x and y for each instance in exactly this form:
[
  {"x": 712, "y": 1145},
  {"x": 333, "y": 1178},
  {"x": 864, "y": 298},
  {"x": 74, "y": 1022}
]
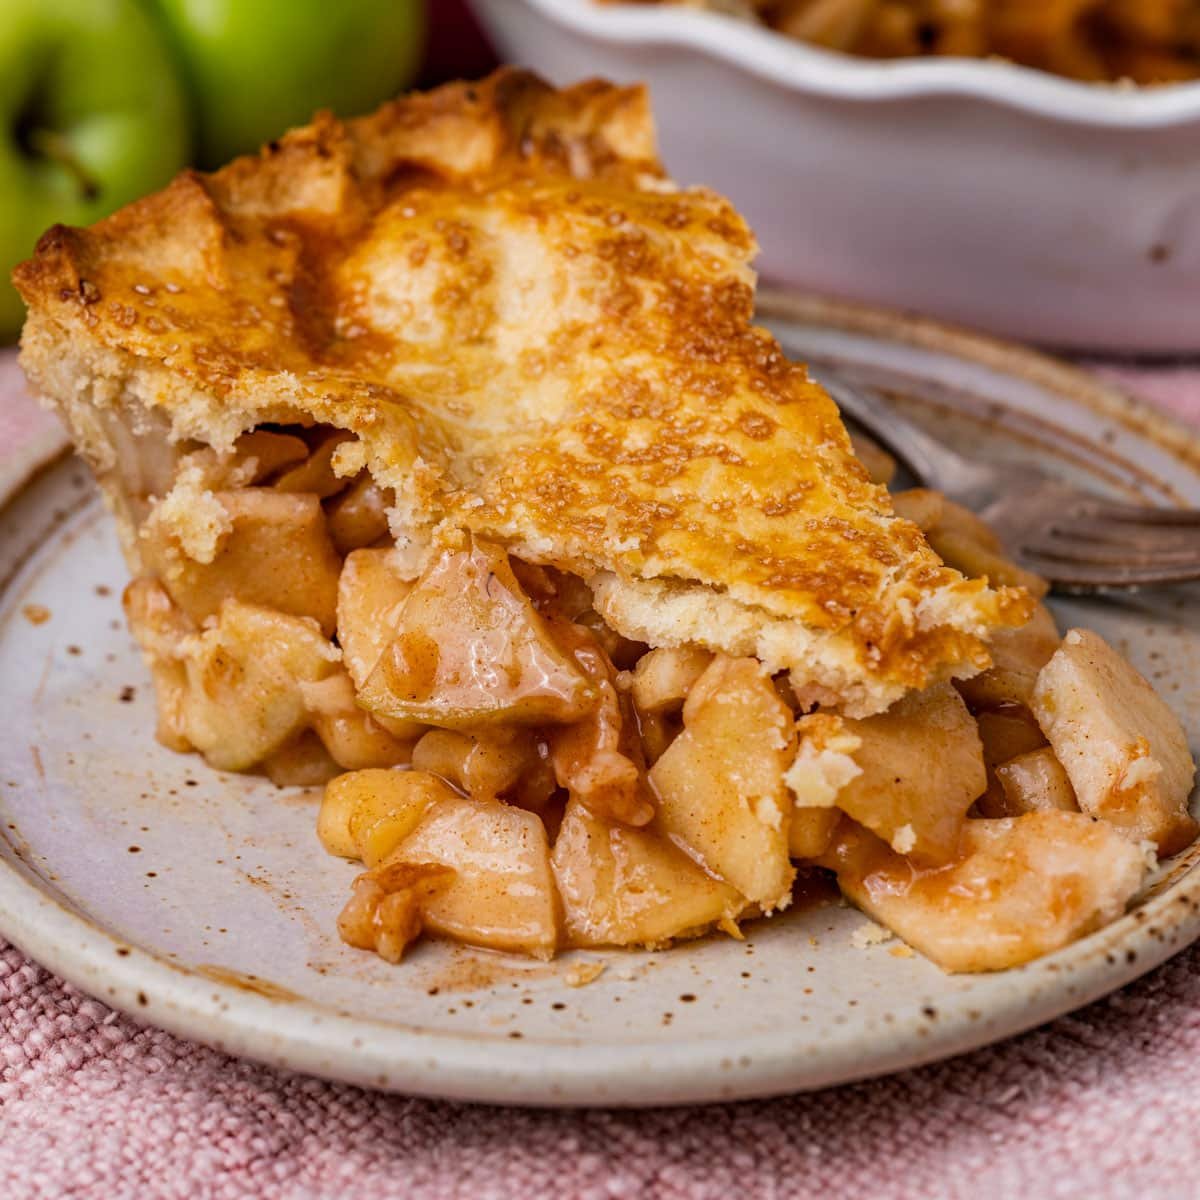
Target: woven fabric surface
[{"x": 1102, "y": 1104}]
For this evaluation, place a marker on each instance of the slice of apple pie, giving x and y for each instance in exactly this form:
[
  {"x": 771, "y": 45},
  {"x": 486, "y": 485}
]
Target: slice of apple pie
[{"x": 452, "y": 473}]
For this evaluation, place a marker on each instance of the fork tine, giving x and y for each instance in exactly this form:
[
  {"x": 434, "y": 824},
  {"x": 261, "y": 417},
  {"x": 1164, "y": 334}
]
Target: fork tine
[
  {"x": 1137, "y": 514},
  {"x": 1083, "y": 542},
  {"x": 1065, "y": 550},
  {"x": 1084, "y": 579},
  {"x": 1121, "y": 533}
]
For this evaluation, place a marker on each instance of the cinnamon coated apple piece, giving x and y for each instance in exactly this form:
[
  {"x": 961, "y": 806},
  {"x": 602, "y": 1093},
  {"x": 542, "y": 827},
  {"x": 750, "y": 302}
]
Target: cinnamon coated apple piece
[
  {"x": 354, "y": 739},
  {"x": 358, "y": 517},
  {"x": 301, "y": 761},
  {"x": 242, "y": 698},
  {"x": 632, "y": 887},
  {"x": 502, "y": 894},
  {"x": 919, "y": 768},
  {"x": 258, "y": 546},
  {"x": 599, "y": 758},
  {"x": 370, "y": 597},
  {"x": 811, "y": 830},
  {"x": 160, "y": 629},
  {"x": 315, "y": 475},
  {"x": 662, "y": 678},
  {"x": 1017, "y": 657},
  {"x": 965, "y": 542},
  {"x": 719, "y": 785},
  {"x": 1006, "y": 732},
  {"x": 1020, "y": 888},
  {"x": 1123, "y": 748},
  {"x": 470, "y": 649},
  {"x": 271, "y": 453},
  {"x": 1034, "y": 782},
  {"x": 507, "y": 761},
  {"x": 367, "y": 814}
]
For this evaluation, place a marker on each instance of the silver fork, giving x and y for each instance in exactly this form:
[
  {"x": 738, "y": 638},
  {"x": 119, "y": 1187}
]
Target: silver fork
[{"x": 1077, "y": 540}]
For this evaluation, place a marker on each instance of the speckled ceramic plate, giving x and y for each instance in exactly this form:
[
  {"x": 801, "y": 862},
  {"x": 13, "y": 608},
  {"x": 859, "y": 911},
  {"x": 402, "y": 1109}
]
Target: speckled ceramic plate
[{"x": 202, "y": 902}]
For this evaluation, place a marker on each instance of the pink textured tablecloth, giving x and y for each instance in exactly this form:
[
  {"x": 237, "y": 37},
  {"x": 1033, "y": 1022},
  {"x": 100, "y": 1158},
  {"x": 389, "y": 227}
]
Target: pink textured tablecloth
[{"x": 1102, "y": 1104}]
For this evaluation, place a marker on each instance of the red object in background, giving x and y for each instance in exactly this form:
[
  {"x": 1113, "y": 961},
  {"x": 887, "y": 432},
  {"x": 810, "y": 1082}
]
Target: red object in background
[{"x": 457, "y": 46}]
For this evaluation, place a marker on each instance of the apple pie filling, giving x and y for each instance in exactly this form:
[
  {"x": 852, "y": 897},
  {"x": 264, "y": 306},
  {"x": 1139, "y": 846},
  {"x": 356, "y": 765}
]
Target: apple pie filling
[{"x": 513, "y": 772}]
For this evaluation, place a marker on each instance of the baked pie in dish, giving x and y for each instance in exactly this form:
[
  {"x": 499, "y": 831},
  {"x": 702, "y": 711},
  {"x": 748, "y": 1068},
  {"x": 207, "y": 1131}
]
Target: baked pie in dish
[
  {"x": 1131, "y": 41},
  {"x": 453, "y": 475}
]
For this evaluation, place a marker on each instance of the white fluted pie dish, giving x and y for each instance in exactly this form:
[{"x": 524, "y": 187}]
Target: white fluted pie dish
[{"x": 973, "y": 190}]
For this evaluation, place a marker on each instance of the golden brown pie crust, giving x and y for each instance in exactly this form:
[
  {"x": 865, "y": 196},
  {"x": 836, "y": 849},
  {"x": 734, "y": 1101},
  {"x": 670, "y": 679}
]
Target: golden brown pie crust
[{"x": 535, "y": 336}]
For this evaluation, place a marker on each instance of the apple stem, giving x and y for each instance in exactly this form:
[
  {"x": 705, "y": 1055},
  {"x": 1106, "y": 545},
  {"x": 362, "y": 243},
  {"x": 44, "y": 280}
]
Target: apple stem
[{"x": 57, "y": 148}]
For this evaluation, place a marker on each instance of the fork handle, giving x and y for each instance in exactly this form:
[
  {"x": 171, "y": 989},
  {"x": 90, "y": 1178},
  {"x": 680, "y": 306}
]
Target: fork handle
[{"x": 930, "y": 461}]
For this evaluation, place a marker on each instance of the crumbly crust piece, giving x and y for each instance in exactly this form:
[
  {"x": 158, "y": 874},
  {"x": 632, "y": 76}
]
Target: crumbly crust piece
[{"x": 535, "y": 336}]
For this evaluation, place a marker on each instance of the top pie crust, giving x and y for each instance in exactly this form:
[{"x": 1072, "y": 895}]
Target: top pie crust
[{"x": 534, "y": 336}]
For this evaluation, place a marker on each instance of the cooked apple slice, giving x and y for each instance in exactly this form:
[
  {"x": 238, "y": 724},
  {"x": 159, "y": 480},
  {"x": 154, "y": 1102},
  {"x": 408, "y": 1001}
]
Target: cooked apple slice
[
  {"x": 599, "y": 758},
  {"x": 920, "y": 767},
  {"x": 243, "y": 699},
  {"x": 1008, "y": 731},
  {"x": 719, "y": 784},
  {"x": 922, "y": 506},
  {"x": 358, "y": 517},
  {"x": 470, "y": 649},
  {"x": 656, "y": 732},
  {"x": 811, "y": 830},
  {"x": 267, "y": 549},
  {"x": 662, "y": 678},
  {"x": 503, "y": 762},
  {"x": 370, "y": 597},
  {"x": 160, "y": 629},
  {"x": 367, "y": 814},
  {"x": 255, "y": 456},
  {"x": 353, "y": 737},
  {"x": 1023, "y": 886},
  {"x": 976, "y": 561},
  {"x": 1017, "y": 657},
  {"x": 272, "y": 452},
  {"x": 631, "y": 887},
  {"x": 1123, "y": 748},
  {"x": 1035, "y": 782},
  {"x": 502, "y": 894},
  {"x": 315, "y": 475},
  {"x": 969, "y": 544}
]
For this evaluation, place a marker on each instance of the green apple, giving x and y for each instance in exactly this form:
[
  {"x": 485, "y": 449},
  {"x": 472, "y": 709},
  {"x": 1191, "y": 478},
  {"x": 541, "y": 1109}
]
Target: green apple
[
  {"x": 92, "y": 115},
  {"x": 257, "y": 67}
]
